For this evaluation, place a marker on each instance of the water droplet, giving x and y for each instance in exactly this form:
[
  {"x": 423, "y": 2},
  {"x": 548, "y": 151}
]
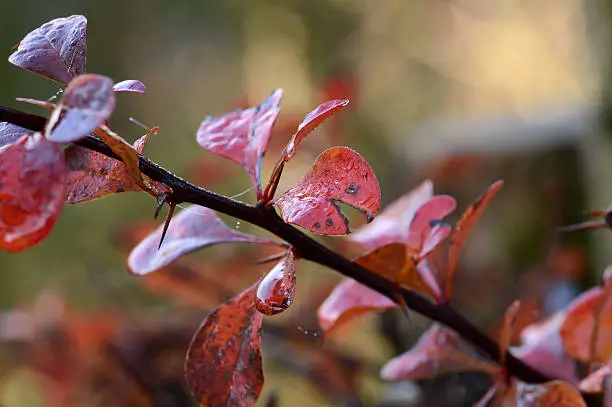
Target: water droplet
[
  {"x": 276, "y": 290},
  {"x": 237, "y": 225}
]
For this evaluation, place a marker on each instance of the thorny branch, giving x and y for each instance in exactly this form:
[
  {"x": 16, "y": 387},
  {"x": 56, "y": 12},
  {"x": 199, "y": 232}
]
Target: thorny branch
[{"x": 308, "y": 249}]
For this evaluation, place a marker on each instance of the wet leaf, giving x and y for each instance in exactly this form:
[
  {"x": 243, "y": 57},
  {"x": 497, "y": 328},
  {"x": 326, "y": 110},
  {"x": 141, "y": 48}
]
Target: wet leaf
[
  {"x": 438, "y": 351},
  {"x": 276, "y": 290},
  {"x": 463, "y": 229},
  {"x": 130, "y": 85},
  {"x": 32, "y": 185},
  {"x": 223, "y": 365},
  {"x": 411, "y": 219},
  {"x": 594, "y": 383},
  {"x": 579, "y": 325},
  {"x": 349, "y": 299},
  {"x": 552, "y": 394},
  {"x": 92, "y": 175},
  {"x": 506, "y": 332},
  {"x": 339, "y": 174},
  {"x": 86, "y": 104},
  {"x": 542, "y": 348},
  {"x": 56, "y": 50},
  {"x": 311, "y": 121},
  {"x": 9, "y": 133},
  {"x": 243, "y": 135},
  {"x": 192, "y": 229}
]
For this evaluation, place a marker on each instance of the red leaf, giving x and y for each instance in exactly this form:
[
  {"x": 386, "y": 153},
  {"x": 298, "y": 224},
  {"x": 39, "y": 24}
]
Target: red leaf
[
  {"x": 348, "y": 300},
  {"x": 243, "y": 135},
  {"x": 552, "y": 394},
  {"x": 56, "y": 50},
  {"x": 338, "y": 174},
  {"x": 92, "y": 175},
  {"x": 88, "y": 102},
  {"x": 32, "y": 185},
  {"x": 276, "y": 290},
  {"x": 311, "y": 121},
  {"x": 579, "y": 326},
  {"x": 438, "y": 351},
  {"x": 9, "y": 133},
  {"x": 223, "y": 365},
  {"x": 542, "y": 349},
  {"x": 192, "y": 229},
  {"x": 463, "y": 229},
  {"x": 130, "y": 85},
  {"x": 410, "y": 219}
]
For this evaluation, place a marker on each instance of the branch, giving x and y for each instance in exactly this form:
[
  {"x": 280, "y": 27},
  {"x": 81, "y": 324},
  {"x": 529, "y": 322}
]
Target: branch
[{"x": 307, "y": 248}]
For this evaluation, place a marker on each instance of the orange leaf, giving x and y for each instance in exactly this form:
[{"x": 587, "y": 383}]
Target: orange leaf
[
  {"x": 126, "y": 152},
  {"x": 438, "y": 351},
  {"x": 463, "y": 229},
  {"x": 390, "y": 261},
  {"x": 92, "y": 175},
  {"x": 339, "y": 174},
  {"x": 552, "y": 394},
  {"x": 223, "y": 366}
]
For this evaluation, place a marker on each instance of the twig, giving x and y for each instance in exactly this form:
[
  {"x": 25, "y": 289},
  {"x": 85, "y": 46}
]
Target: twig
[{"x": 308, "y": 249}]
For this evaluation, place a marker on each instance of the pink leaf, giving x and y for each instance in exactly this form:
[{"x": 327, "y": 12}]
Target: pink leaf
[
  {"x": 348, "y": 300},
  {"x": 88, "y": 102},
  {"x": 192, "y": 229},
  {"x": 56, "y": 50},
  {"x": 339, "y": 174},
  {"x": 412, "y": 219},
  {"x": 243, "y": 135},
  {"x": 130, "y": 85},
  {"x": 438, "y": 351},
  {"x": 542, "y": 349}
]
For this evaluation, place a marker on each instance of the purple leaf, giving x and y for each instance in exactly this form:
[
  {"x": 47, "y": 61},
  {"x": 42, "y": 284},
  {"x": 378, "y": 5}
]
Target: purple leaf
[
  {"x": 88, "y": 101},
  {"x": 192, "y": 229},
  {"x": 9, "y": 133},
  {"x": 56, "y": 50},
  {"x": 243, "y": 135},
  {"x": 130, "y": 85}
]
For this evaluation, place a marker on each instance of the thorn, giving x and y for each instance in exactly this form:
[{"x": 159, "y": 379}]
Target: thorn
[
  {"x": 404, "y": 307},
  {"x": 588, "y": 225},
  {"x": 268, "y": 259},
  {"x": 168, "y": 218}
]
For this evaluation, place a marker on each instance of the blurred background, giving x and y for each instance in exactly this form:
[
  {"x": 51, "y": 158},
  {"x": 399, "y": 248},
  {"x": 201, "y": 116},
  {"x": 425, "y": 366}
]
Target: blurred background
[{"x": 463, "y": 92}]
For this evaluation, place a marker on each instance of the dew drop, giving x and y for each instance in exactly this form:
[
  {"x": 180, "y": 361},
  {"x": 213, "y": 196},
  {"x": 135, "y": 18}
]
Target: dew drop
[{"x": 276, "y": 290}]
